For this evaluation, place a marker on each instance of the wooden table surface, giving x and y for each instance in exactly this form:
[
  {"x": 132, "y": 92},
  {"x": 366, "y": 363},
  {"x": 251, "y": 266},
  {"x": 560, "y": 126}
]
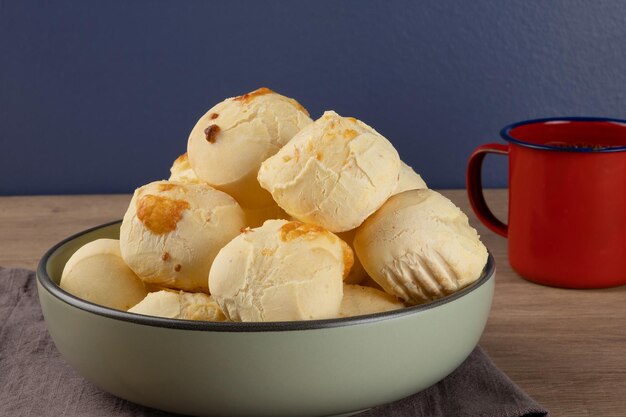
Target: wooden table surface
[{"x": 565, "y": 348}]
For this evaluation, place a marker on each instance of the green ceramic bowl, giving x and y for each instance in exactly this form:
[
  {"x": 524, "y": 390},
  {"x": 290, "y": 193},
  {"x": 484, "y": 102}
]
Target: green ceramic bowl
[{"x": 306, "y": 368}]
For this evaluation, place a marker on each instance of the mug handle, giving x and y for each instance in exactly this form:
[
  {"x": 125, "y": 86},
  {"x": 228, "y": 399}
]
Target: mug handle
[{"x": 475, "y": 187}]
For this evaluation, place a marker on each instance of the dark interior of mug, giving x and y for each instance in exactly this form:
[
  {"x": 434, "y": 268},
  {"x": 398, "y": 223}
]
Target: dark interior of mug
[{"x": 570, "y": 133}]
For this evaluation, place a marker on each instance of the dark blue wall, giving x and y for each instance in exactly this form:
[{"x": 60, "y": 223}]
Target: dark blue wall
[{"x": 99, "y": 96}]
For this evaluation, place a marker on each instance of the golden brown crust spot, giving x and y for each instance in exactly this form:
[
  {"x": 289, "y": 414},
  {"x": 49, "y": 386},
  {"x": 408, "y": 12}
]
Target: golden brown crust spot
[
  {"x": 167, "y": 186},
  {"x": 214, "y": 116},
  {"x": 178, "y": 267},
  {"x": 246, "y": 98},
  {"x": 181, "y": 159},
  {"x": 352, "y": 119},
  {"x": 319, "y": 156},
  {"x": 286, "y": 158},
  {"x": 165, "y": 256},
  {"x": 350, "y": 134},
  {"x": 295, "y": 229},
  {"x": 160, "y": 214},
  {"x": 348, "y": 258},
  {"x": 268, "y": 252},
  {"x": 210, "y": 133},
  {"x": 245, "y": 229}
]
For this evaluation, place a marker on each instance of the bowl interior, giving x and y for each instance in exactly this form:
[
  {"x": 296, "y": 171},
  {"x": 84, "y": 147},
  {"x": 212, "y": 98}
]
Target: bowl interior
[{"x": 51, "y": 268}]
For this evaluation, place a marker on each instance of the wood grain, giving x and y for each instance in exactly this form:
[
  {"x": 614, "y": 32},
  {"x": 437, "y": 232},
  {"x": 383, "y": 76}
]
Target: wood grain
[{"x": 565, "y": 348}]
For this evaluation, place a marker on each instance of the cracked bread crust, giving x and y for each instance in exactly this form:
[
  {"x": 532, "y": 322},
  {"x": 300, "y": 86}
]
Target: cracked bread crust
[
  {"x": 333, "y": 173},
  {"x": 419, "y": 246},
  {"x": 242, "y": 132},
  {"x": 281, "y": 271},
  {"x": 172, "y": 231}
]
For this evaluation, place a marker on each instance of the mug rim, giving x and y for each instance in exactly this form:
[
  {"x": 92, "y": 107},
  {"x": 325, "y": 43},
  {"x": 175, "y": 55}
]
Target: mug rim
[{"x": 505, "y": 134}]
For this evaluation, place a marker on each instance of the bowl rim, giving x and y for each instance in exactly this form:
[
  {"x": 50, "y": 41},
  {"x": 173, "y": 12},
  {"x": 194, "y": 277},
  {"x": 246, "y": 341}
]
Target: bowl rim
[{"x": 55, "y": 290}]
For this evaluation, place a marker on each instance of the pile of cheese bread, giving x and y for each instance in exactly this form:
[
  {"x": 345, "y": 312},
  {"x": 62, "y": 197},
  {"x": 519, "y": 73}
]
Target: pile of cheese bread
[{"x": 272, "y": 216}]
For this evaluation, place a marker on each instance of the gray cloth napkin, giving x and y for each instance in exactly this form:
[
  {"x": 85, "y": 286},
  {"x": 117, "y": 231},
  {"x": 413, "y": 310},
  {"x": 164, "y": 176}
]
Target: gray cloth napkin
[{"x": 36, "y": 381}]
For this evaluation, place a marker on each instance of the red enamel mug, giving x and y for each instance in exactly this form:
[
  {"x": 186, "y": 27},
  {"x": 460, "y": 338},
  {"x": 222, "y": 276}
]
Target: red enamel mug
[{"x": 567, "y": 200}]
